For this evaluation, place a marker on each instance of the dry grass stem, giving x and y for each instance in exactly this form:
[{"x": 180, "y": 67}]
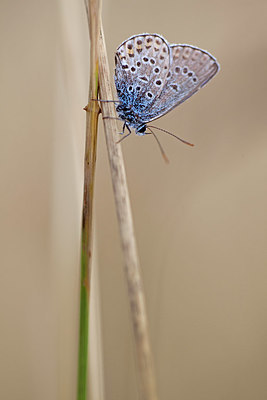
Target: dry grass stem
[
  {"x": 124, "y": 215},
  {"x": 93, "y": 13}
]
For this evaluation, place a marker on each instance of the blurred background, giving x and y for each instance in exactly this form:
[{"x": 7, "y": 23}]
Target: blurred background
[{"x": 201, "y": 221}]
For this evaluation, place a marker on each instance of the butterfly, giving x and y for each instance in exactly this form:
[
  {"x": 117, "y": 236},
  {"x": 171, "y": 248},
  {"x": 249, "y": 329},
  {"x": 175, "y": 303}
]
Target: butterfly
[{"x": 152, "y": 77}]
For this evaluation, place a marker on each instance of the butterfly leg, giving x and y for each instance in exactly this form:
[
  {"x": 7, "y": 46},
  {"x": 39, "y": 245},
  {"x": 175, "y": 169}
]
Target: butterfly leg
[
  {"x": 106, "y": 101},
  {"x": 124, "y": 137},
  {"x": 122, "y": 133},
  {"x": 123, "y": 129},
  {"x": 127, "y": 126},
  {"x": 119, "y": 119}
]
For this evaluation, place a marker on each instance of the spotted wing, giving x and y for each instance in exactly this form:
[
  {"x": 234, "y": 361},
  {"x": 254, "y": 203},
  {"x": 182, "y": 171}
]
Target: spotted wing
[
  {"x": 142, "y": 65},
  {"x": 190, "y": 69}
]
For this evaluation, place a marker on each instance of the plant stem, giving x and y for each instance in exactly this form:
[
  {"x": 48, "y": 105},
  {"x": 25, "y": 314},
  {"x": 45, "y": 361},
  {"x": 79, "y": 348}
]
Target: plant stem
[
  {"x": 128, "y": 242},
  {"x": 93, "y": 13}
]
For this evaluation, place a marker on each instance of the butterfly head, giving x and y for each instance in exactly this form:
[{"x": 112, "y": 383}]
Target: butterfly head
[{"x": 141, "y": 130}]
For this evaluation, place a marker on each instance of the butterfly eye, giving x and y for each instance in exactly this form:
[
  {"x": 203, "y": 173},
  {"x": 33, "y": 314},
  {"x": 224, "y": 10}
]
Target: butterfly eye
[
  {"x": 158, "y": 82},
  {"x": 125, "y": 66},
  {"x": 156, "y": 70},
  {"x": 145, "y": 59},
  {"x": 177, "y": 70},
  {"x": 133, "y": 69},
  {"x": 138, "y": 64},
  {"x": 130, "y": 89},
  {"x": 149, "y": 95},
  {"x": 190, "y": 73},
  {"x": 152, "y": 61},
  {"x": 185, "y": 70},
  {"x": 138, "y": 88},
  {"x": 194, "y": 79}
]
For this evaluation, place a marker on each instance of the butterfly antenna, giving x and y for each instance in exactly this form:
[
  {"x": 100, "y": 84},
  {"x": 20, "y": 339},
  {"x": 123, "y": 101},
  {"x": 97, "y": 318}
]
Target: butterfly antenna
[
  {"x": 172, "y": 134},
  {"x": 160, "y": 146}
]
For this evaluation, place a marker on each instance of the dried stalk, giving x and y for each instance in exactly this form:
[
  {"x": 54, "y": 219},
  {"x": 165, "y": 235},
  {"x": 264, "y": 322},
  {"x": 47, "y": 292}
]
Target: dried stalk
[
  {"x": 93, "y": 13},
  {"x": 128, "y": 242}
]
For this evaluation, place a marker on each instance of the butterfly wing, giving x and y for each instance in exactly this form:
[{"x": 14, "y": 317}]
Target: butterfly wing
[
  {"x": 190, "y": 69},
  {"x": 142, "y": 65}
]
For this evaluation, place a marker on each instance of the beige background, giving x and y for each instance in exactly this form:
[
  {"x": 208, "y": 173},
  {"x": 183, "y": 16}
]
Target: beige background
[{"x": 201, "y": 221}]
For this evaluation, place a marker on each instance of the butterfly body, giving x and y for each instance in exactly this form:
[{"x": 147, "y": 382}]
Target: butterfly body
[
  {"x": 152, "y": 77},
  {"x": 130, "y": 114}
]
